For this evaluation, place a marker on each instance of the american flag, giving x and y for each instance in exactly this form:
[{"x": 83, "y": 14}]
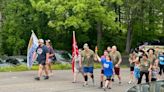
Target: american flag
[{"x": 75, "y": 51}]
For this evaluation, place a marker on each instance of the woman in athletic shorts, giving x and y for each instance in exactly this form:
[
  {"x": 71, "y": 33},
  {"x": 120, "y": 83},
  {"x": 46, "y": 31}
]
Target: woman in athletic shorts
[
  {"x": 51, "y": 55},
  {"x": 132, "y": 59},
  {"x": 77, "y": 67}
]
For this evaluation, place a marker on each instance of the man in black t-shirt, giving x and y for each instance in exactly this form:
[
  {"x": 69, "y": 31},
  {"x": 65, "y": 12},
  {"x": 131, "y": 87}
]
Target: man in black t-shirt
[{"x": 42, "y": 54}]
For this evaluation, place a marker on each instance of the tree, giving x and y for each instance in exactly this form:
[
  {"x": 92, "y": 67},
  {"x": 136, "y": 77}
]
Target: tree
[
  {"x": 78, "y": 15},
  {"x": 142, "y": 20},
  {"x": 19, "y": 19}
]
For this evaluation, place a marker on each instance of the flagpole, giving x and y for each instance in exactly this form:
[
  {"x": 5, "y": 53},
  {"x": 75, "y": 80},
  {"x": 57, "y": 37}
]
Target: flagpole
[
  {"x": 32, "y": 31},
  {"x": 73, "y": 53},
  {"x": 32, "y": 45}
]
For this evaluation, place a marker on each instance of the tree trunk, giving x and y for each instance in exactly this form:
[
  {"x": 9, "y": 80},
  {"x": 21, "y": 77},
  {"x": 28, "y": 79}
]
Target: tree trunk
[
  {"x": 119, "y": 14},
  {"x": 0, "y": 34},
  {"x": 151, "y": 21},
  {"x": 163, "y": 23},
  {"x": 129, "y": 38},
  {"x": 99, "y": 34}
]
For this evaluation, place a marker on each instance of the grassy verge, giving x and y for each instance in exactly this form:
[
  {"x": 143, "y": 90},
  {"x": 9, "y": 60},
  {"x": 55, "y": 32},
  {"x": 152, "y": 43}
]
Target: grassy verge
[
  {"x": 13, "y": 68},
  {"x": 54, "y": 67}
]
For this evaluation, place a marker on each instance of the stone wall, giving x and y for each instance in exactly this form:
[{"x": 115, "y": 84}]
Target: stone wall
[{"x": 157, "y": 86}]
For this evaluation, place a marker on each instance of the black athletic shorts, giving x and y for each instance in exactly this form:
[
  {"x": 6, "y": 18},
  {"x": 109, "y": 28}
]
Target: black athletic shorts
[
  {"x": 42, "y": 62},
  {"x": 108, "y": 78},
  {"x": 153, "y": 79},
  {"x": 131, "y": 68}
]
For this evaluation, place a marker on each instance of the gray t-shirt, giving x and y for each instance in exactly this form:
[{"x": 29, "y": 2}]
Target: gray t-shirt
[
  {"x": 51, "y": 51},
  {"x": 87, "y": 58},
  {"x": 41, "y": 52},
  {"x": 115, "y": 57}
]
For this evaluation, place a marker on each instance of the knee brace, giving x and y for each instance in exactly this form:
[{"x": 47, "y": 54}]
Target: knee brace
[
  {"x": 85, "y": 77},
  {"x": 92, "y": 76}
]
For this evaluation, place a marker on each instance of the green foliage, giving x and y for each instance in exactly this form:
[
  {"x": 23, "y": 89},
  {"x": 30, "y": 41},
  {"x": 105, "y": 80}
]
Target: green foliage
[
  {"x": 14, "y": 26},
  {"x": 143, "y": 15},
  {"x": 80, "y": 16},
  {"x": 56, "y": 19}
]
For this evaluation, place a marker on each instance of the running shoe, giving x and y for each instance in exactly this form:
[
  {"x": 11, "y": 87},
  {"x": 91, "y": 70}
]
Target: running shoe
[
  {"x": 130, "y": 82},
  {"x": 46, "y": 77},
  {"x": 85, "y": 84},
  {"x": 37, "y": 78},
  {"x": 112, "y": 79}
]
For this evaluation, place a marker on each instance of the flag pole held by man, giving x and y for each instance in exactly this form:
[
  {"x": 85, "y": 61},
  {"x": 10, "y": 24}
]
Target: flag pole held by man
[
  {"x": 76, "y": 59},
  {"x": 75, "y": 51}
]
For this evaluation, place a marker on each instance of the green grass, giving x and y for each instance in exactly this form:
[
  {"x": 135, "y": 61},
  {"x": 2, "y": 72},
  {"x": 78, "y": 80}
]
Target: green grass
[
  {"x": 35, "y": 67},
  {"x": 56, "y": 67},
  {"x": 13, "y": 68}
]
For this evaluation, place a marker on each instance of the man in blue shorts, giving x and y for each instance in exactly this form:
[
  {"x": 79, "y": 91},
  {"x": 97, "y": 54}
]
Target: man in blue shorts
[{"x": 87, "y": 63}]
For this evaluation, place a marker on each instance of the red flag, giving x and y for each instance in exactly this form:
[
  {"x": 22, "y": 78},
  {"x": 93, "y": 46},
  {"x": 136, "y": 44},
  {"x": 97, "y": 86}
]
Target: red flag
[{"x": 75, "y": 51}]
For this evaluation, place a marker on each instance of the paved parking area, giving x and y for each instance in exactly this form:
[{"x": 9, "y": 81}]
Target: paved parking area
[{"x": 61, "y": 81}]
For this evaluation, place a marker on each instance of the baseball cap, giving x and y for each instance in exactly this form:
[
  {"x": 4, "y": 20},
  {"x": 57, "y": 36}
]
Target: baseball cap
[
  {"x": 85, "y": 45},
  {"x": 48, "y": 40},
  {"x": 41, "y": 40}
]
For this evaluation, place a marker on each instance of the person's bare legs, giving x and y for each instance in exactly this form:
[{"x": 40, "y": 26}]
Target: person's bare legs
[
  {"x": 110, "y": 84},
  {"x": 50, "y": 67},
  {"x": 150, "y": 76},
  {"x": 40, "y": 70},
  {"x": 131, "y": 77},
  {"x": 119, "y": 77},
  {"x": 106, "y": 85},
  {"x": 92, "y": 77},
  {"x": 75, "y": 77},
  {"x": 101, "y": 80},
  {"x": 46, "y": 70}
]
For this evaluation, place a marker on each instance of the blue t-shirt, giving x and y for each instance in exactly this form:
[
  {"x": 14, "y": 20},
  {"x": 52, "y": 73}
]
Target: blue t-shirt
[
  {"x": 107, "y": 66},
  {"x": 41, "y": 52},
  {"x": 102, "y": 59},
  {"x": 161, "y": 59}
]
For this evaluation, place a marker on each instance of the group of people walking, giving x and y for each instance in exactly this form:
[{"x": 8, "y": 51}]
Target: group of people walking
[
  {"x": 44, "y": 55},
  {"x": 149, "y": 63},
  {"x": 110, "y": 62}
]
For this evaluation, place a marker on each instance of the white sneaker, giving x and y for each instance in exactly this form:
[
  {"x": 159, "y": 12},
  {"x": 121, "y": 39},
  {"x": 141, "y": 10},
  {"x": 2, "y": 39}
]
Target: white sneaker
[
  {"x": 130, "y": 82},
  {"x": 85, "y": 84},
  {"x": 50, "y": 74}
]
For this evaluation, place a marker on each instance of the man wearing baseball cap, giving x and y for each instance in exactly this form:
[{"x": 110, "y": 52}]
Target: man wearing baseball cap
[
  {"x": 42, "y": 58},
  {"x": 87, "y": 63}
]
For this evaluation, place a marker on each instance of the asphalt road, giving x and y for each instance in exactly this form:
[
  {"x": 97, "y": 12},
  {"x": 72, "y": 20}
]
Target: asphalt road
[{"x": 61, "y": 81}]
